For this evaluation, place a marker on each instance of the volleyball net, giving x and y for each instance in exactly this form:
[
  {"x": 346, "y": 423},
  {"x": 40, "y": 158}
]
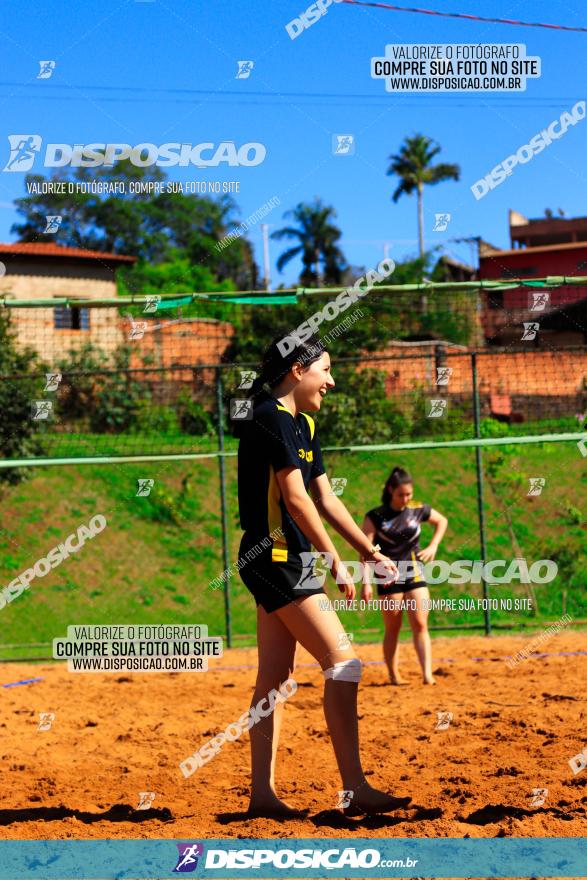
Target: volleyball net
[{"x": 163, "y": 375}]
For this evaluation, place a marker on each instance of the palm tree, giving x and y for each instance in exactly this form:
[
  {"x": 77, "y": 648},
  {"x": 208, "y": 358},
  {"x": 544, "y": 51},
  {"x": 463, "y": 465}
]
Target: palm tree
[
  {"x": 413, "y": 166},
  {"x": 317, "y": 238}
]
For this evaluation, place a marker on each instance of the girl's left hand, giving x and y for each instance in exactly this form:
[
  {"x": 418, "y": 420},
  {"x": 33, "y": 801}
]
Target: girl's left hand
[
  {"x": 390, "y": 567},
  {"x": 428, "y": 554}
]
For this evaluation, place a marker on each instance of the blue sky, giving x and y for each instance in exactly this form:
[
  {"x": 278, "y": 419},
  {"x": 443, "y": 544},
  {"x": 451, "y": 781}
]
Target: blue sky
[{"x": 112, "y": 60}]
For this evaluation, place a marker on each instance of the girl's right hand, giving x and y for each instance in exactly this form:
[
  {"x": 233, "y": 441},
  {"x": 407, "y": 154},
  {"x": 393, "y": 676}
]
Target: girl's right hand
[{"x": 344, "y": 582}]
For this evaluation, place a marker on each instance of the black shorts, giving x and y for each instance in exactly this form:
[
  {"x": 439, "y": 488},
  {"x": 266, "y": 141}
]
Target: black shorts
[
  {"x": 275, "y": 584},
  {"x": 408, "y": 583}
]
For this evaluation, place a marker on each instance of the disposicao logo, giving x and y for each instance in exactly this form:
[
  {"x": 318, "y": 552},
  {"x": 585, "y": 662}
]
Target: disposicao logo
[{"x": 24, "y": 149}]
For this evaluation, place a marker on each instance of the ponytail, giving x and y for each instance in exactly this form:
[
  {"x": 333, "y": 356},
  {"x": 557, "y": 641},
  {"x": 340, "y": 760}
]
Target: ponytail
[
  {"x": 258, "y": 387},
  {"x": 398, "y": 477}
]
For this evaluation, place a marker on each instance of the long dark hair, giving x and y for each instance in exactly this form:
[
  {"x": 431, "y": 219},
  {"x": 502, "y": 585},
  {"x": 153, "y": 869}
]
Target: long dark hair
[
  {"x": 398, "y": 477},
  {"x": 275, "y": 365}
]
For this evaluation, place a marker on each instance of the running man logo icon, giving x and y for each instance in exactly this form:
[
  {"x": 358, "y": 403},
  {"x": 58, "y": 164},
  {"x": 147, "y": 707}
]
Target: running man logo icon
[
  {"x": 537, "y": 484},
  {"x": 578, "y": 762},
  {"x": 443, "y": 375},
  {"x": 437, "y": 409},
  {"x": 189, "y": 853},
  {"x": 23, "y": 148},
  {"x": 444, "y": 719},
  {"x": 46, "y": 69},
  {"x": 337, "y": 485},
  {"x": 53, "y": 223},
  {"x": 241, "y": 409},
  {"x": 344, "y": 799},
  {"x": 52, "y": 381},
  {"x": 344, "y": 640},
  {"x": 137, "y": 329},
  {"x": 531, "y": 329},
  {"x": 441, "y": 222},
  {"x": 146, "y": 798},
  {"x": 41, "y": 409},
  {"x": 343, "y": 144},
  {"x": 314, "y": 570},
  {"x": 144, "y": 489},
  {"x": 539, "y": 795},
  {"x": 152, "y": 302},
  {"x": 539, "y": 301},
  {"x": 46, "y": 719},
  {"x": 321, "y": 568},
  {"x": 244, "y": 69},
  {"x": 247, "y": 379}
]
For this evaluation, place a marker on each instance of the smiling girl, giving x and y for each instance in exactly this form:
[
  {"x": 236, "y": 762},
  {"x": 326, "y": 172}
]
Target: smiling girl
[{"x": 279, "y": 459}]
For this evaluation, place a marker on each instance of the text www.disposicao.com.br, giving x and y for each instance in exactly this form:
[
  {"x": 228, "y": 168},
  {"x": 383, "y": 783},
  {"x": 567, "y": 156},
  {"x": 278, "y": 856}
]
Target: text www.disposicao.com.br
[{"x": 135, "y": 664}]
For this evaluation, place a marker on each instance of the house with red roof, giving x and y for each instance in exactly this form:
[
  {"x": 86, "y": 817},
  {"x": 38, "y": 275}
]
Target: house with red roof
[{"x": 47, "y": 271}]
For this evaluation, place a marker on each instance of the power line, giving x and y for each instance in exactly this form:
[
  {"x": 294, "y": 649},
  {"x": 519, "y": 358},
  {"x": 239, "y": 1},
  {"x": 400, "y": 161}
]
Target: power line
[
  {"x": 557, "y": 27},
  {"x": 240, "y": 93},
  {"x": 412, "y": 101}
]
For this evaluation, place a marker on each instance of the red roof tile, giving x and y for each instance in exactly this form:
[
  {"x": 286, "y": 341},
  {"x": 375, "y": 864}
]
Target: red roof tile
[{"x": 55, "y": 250}]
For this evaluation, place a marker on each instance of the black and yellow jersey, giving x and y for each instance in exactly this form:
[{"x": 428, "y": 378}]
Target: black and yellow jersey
[
  {"x": 398, "y": 531},
  {"x": 272, "y": 440}
]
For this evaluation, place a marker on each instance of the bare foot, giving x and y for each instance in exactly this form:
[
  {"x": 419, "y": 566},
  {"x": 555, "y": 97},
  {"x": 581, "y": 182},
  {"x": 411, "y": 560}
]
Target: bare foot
[
  {"x": 397, "y": 680},
  {"x": 272, "y": 807},
  {"x": 429, "y": 680},
  {"x": 371, "y": 800}
]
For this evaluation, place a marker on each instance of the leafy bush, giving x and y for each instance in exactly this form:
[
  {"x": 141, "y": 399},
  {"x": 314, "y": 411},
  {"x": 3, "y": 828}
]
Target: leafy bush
[
  {"x": 19, "y": 437},
  {"x": 361, "y": 414},
  {"x": 119, "y": 397},
  {"x": 154, "y": 419},
  {"x": 193, "y": 417},
  {"x": 78, "y": 394},
  {"x": 455, "y": 424}
]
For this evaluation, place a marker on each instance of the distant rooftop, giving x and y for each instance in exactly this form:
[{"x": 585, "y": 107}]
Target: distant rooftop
[
  {"x": 525, "y": 233},
  {"x": 35, "y": 249},
  {"x": 542, "y": 249},
  {"x": 517, "y": 219}
]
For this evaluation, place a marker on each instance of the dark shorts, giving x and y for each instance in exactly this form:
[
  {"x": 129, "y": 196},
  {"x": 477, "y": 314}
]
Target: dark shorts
[
  {"x": 275, "y": 584},
  {"x": 408, "y": 583}
]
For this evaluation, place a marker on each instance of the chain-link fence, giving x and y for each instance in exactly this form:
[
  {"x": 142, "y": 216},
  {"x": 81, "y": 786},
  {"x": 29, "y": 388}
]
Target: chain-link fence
[{"x": 418, "y": 380}]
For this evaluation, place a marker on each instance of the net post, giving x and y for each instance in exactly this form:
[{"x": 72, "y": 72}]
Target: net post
[
  {"x": 222, "y": 474},
  {"x": 480, "y": 487}
]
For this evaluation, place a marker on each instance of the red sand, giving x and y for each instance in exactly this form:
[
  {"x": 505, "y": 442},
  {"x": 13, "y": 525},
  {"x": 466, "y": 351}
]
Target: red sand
[{"x": 117, "y": 735}]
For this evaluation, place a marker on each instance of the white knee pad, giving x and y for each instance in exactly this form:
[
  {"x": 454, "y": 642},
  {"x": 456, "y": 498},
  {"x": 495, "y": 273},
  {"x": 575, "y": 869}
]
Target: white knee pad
[{"x": 346, "y": 670}]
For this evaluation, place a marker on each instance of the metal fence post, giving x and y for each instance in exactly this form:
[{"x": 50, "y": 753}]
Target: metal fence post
[
  {"x": 222, "y": 473},
  {"x": 480, "y": 486}
]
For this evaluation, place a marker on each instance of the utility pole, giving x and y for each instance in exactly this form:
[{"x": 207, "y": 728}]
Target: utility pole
[
  {"x": 266, "y": 279},
  {"x": 474, "y": 242}
]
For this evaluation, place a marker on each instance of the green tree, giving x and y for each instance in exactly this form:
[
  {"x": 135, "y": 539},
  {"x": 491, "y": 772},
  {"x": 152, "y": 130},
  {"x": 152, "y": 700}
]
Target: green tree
[
  {"x": 413, "y": 166},
  {"x": 18, "y": 389},
  {"x": 153, "y": 227},
  {"x": 317, "y": 237}
]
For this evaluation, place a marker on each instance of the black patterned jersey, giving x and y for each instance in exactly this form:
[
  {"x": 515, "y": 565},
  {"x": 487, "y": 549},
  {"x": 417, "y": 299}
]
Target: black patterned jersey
[{"x": 398, "y": 531}]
